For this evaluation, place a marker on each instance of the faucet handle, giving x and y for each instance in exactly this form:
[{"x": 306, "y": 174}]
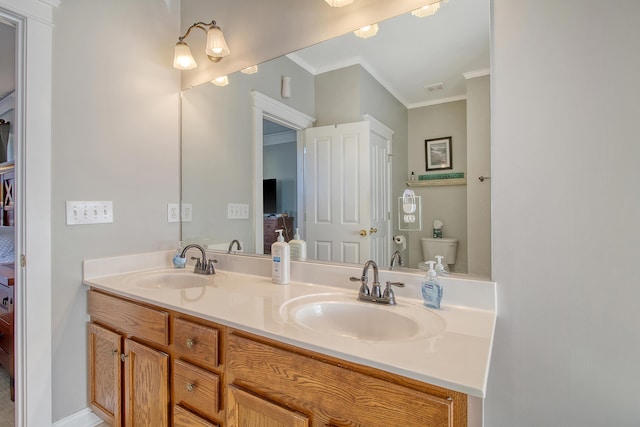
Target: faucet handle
[
  {"x": 198, "y": 262},
  {"x": 364, "y": 289},
  {"x": 210, "y": 268},
  {"x": 388, "y": 291}
]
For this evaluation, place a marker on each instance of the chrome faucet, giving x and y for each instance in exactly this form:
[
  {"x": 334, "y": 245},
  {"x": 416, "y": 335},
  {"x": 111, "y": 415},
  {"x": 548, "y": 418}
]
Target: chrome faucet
[
  {"x": 231, "y": 245},
  {"x": 395, "y": 257},
  {"x": 203, "y": 266},
  {"x": 375, "y": 295}
]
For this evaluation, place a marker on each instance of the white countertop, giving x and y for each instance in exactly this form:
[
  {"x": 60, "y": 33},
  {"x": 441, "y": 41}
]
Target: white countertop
[{"x": 456, "y": 358}]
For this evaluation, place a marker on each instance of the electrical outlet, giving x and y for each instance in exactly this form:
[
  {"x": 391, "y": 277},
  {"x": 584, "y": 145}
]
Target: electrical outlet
[
  {"x": 173, "y": 212},
  {"x": 81, "y": 212},
  {"x": 187, "y": 212},
  {"x": 237, "y": 211}
]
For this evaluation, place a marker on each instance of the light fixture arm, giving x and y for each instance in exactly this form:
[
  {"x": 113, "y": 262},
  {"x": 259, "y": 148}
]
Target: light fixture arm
[{"x": 197, "y": 25}]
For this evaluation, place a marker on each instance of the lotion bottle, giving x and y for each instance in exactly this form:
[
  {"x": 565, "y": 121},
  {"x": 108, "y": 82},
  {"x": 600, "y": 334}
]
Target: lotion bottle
[
  {"x": 280, "y": 260},
  {"x": 298, "y": 247},
  {"x": 440, "y": 268},
  {"x": 431, "y": 288}
]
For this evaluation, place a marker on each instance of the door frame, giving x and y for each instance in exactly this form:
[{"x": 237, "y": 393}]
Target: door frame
[
  {"x": 32, "y": 145},
  {"x": 264, "y": 107}
]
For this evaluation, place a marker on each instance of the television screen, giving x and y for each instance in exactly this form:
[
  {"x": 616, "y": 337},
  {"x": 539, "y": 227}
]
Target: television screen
[{"x": 269, "y": 196}]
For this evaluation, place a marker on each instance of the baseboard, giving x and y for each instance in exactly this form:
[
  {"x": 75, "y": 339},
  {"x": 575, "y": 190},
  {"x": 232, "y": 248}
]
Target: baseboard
[{"x": 84, "y": 418}]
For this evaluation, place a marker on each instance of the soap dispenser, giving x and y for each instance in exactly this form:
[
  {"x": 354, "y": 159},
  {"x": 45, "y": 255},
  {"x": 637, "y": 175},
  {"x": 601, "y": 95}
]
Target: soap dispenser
[
  {"x": 178, "y": 261},
  {"x": 280, "y": 254},
  {"x": 298, "y": 247},
  {"x": 441, "y": 269},
  {"x": 431, "y": 288}
]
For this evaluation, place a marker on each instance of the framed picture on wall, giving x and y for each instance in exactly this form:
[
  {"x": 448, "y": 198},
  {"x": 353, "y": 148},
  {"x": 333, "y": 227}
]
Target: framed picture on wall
[{"x": 438, "y": 153}]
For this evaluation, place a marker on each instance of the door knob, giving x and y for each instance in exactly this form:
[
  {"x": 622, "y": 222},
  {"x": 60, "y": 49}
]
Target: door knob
[
  {"x": 373, "y": 230},
  {"x": 363, "y": 233}
]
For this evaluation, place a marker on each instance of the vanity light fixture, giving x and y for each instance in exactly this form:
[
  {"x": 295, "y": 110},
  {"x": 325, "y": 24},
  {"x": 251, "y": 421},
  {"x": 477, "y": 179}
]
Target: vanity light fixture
[
  {"x": 216, "y": 47},
  {"x": 367, "y": 31},
  {"x": 220, "y": 81},
  {"x": 338, "y": 3},
  {"x": 428, "y": 10},
  {"x": 250, "y": 70}
]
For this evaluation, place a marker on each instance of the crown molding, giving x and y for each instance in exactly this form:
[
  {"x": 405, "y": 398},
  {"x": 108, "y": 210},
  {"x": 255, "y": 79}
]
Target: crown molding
[{"x": 476, "y": 73}]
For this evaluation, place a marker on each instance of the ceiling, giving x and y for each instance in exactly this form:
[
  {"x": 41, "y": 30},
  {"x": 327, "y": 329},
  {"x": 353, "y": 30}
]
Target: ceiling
[
  {"x": 409, "y": 53},
  {"x": 7, "y": 59}
]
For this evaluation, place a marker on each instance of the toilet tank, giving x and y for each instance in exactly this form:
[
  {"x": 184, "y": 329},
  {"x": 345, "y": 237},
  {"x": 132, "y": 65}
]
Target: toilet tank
[{"x": 445, "y": 246}]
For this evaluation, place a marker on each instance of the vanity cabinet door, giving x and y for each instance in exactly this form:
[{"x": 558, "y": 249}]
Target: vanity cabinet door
[
  {"x": 245, "y": 409},
  {"x": 105, "y": 373},
  {"x": 146, "y": 386}
]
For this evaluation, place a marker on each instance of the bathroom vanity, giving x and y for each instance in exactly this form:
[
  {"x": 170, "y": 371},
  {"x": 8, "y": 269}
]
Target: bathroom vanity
[{"x": 168, "y": 347}]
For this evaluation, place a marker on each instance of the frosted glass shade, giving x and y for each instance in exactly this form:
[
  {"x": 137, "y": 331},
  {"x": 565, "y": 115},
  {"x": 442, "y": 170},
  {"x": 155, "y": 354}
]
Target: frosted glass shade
[
  {"x": 427, "y": 10},
  {"x": 216, "y": 44},
  {"x": 182, "y": 58},
  {"x": 250, "y": 70},
  {"x": 338, "y": 3},
  {"x": 221, "y": 81},
  {"x": 366, "y": 32}
]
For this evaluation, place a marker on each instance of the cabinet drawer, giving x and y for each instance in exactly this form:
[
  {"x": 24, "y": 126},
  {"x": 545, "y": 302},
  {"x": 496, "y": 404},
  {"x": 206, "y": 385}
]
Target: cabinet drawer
[
  {"x": 184, "y": 418},
  {"x": 196, "y": 343},
  {"x": 308, "y": 385},
  {"x": 129, "y": 318},
  {"x": 196, "y": 389}
]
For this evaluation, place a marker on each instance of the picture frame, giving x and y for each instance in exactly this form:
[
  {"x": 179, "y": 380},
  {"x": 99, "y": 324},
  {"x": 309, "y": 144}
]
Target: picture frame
[{"x": 438, "y": 153}]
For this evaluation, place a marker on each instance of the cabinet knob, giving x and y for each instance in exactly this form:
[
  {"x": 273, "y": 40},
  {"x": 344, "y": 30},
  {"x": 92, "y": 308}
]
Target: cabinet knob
[
  {"x": 190, "y": 387},
  {"x": 190, "y": 343},
  {"x": 114, "y": 352},
  {"x": 123, "y": 357}
]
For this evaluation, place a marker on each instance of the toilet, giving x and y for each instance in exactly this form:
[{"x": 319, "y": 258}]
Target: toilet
[{"x": 445, "y": 246}]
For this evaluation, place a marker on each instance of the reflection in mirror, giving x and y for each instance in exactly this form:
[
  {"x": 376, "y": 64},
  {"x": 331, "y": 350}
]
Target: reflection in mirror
[{"x": 393, "y": 91}]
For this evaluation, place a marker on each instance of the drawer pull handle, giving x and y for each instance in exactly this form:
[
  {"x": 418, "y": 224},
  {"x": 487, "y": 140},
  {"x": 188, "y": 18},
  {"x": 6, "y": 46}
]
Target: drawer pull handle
[
  {"x": 190, "y": 387},
  {"x": 123, "y": 357},
  {"x": 190, "y": 343}
]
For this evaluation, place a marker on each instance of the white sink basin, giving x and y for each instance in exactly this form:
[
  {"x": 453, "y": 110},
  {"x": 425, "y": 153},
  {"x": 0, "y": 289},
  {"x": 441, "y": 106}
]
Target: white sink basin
[
  {"x": 171, "y": 279},
  {"x": 342, "y": 315}
]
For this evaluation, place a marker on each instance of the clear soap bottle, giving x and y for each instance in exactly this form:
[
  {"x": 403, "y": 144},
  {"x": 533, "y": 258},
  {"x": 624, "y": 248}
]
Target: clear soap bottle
[
  {"x": 441, "y": 269},
  {"x": 298, "y": 247},
  {"x": 431, "y": 288}
]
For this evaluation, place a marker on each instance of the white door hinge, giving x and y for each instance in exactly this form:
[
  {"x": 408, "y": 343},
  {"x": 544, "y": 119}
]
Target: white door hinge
[{"x": 23, "y": 260}]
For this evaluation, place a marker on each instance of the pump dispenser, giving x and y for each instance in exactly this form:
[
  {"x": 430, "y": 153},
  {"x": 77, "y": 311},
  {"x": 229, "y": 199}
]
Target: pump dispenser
[
  {"x": 441, "y": 269},
  {"x": 431, "y": 288},
  {"x": 298, "y": 247},
  {"x": 280, "y": 254}
]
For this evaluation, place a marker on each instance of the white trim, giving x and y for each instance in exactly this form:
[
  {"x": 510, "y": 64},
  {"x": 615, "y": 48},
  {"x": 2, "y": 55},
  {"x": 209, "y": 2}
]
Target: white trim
[
  {"x": 280, "y": 138},
  {"x": 52, "y": 3},
  {"x": 83, "y": 418},
  {"x": 477, "y": 73},
  {"x": 32, "y": 134},
  {"x": 437, "y": 101},
  {"x": 269, "y": 108}
]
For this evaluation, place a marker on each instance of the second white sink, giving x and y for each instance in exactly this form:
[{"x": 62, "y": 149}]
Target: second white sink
[{"x": 342, "y": 315}]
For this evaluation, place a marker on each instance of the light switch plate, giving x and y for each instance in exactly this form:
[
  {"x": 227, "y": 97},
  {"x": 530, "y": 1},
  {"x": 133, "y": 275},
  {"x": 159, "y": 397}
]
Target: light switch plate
[
  {"x": 237, "y": 211},
  {"x": 89, "y": 212}
]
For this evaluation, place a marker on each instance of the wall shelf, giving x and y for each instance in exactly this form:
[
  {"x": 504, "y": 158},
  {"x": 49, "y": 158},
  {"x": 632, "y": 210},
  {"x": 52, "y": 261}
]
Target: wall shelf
[{"x": 437, "y": 182}]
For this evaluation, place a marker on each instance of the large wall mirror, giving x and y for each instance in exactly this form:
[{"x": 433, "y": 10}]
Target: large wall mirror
[{"x": 325, "y": 140}]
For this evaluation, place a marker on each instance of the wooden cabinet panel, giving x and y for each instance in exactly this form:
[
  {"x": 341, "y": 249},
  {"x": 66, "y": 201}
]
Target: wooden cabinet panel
[
  {"x": 196, "y": 389},
  {"x": 104, "y": 374},
  {"x": 146, "y": 386},
  {"x": 130, "y": 318},
  {"x": 245, "y": 409},
  {"x": 184, "y": 418},
  {"x": 335, "y": 395},
  {"x": 196, "y": 343}
]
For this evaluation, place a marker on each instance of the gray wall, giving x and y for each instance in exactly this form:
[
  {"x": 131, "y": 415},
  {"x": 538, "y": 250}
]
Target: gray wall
[
  {"x": 566, "y": 214},
  {"x": 115, "y": 137},
  {"x": 447, "y": 203}
]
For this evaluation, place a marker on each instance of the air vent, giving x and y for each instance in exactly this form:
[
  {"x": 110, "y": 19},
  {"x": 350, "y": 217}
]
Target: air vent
[{"x": 434, "y": 87}]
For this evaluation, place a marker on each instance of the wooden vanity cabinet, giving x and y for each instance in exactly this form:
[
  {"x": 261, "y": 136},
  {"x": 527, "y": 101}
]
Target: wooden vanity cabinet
[
  {"x": 128, "y": 362},
  {"x": 316, "y": 390}
]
